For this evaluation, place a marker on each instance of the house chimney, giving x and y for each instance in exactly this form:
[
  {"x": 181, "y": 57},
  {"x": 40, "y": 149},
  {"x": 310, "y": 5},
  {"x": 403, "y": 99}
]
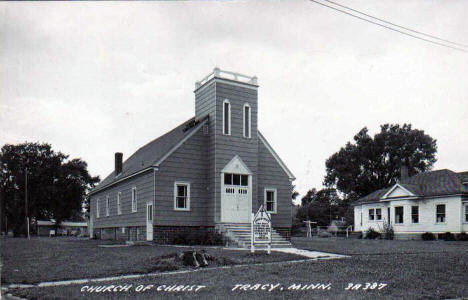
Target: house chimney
[
  {"x": 403, "y": 172},
  {"x": 118, "y": 163}
]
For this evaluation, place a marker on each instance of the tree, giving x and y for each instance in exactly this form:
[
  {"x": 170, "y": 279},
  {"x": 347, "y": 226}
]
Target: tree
[
  {"x": 369, "y": 164},
  {"x": 320, "y": 206},
  {"x": 56, "y": 186}
]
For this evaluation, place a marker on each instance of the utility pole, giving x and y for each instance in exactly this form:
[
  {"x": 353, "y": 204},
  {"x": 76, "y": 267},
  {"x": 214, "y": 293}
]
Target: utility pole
[{"x": 26, "y": 200}]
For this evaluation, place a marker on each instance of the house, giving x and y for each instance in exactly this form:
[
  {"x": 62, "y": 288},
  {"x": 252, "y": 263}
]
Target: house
[
  {"x": 208, "y": 174},
  {"x": 44, "y": 227},
  {"x": 435, "y": 201}
]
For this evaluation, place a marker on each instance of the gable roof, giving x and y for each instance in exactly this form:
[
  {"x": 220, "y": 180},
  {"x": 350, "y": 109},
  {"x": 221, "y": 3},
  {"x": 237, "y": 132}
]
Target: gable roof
[
  {"x": 153, "y": 153},
  {"x": 278, "y": 159},
  {"x": 427, "y": 184}
]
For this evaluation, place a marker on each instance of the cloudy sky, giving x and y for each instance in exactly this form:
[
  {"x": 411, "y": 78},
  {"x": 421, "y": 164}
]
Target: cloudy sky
[{"x": 96, "y": 78}]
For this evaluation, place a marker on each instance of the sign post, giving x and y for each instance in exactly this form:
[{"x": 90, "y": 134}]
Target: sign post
[{"x": 261, "y": 229}]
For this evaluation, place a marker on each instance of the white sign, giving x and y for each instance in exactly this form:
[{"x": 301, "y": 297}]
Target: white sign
[{"x": 261, "y": 229}]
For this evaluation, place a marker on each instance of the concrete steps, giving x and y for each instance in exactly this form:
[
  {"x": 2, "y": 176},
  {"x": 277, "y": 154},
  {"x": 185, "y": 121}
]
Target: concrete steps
[{"x": 240, "y": 235}]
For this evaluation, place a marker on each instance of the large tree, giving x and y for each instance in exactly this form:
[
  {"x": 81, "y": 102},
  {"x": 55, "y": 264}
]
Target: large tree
[
  {"x": 370, "y": 164},
  {"x": 56, "y": 186},
  {"x": 321, "y": 206}
]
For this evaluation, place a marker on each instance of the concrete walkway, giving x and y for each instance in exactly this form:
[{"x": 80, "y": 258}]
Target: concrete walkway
[{"x": 309, "y": 254}]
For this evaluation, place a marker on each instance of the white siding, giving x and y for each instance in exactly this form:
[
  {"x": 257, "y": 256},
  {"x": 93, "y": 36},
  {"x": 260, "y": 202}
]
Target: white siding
[{"x": 454, "y": 214}]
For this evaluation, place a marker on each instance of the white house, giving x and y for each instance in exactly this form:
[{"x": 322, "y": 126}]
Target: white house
[{"x": 435, "y": 201}]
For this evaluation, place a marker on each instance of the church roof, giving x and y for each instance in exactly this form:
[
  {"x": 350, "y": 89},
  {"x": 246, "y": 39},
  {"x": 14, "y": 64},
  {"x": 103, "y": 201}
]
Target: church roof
[{"x": 151, "y": 154}]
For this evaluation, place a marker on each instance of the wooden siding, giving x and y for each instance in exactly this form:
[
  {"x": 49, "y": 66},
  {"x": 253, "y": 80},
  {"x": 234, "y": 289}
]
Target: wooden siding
[
  {"x": 145, "y": 191},
  {"x": 272, "y": 175},
  {"x": 227, "y": 146},
  {"x": 189, "y": 163},
  {"x": 205, "y": 104}
]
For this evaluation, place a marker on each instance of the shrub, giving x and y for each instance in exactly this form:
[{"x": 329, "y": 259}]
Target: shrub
[
  {"x": 428, "y": 236},
  {"x": 448, "y": 236},
  {"x": 206, "y": 238},
  {"x": 388, "y": 231},
  {"x": 462, "y": 236},
  {"x": 372, "y": 234}
]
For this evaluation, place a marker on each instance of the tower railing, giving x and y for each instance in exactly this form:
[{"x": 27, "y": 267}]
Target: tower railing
[{"x": 217, "y": 72}]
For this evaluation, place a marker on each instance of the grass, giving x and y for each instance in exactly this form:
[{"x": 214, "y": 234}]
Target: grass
[
  {"x": 411, "y": 270},
  {"x": 52, "y": 259}
]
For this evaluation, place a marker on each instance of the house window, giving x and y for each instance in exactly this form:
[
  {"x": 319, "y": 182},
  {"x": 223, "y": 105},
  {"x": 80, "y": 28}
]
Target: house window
[
  {"x": 246, "y": 120},
  {"x": 270, "y": 200},
  {"x": 97, "y": 209},
  {"x": 182, "y": 196},
  {"x": 371, "y": 214},
  {"x": 119, "y": 203},
  {"x": 236, "y": 179},
  {"x": 134, "y": 199},
  {"x": 399, "y": 215},
  {"x": 378, "y": 213},
  {"x": 107, "y": 206},
  {"x": 226, "y": 117},
  {"x": 415, "y": 214},
  {"x": 466, "y": 213},
  {"x": 440, "y": 213}
]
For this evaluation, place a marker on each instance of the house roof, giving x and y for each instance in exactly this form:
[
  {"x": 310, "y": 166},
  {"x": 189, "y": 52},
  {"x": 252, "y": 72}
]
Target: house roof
[
  {"x": 153, "y": 153},
  {"x": 427, "y": 184}
]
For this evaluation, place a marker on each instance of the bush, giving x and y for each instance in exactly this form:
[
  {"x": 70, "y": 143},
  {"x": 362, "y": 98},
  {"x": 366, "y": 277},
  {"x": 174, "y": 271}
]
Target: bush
[
  {"x": 448, "y": 236},
  {"x": 462, "y": 236},
  {"x": 428, "y": 236},
  {"x": 372, "y": 234},
  {"x": 206, "y": 238},
  {"x": 388, "y": 231}
]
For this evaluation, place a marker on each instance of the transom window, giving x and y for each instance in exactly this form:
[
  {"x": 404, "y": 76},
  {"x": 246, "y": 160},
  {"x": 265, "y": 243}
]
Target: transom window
[
  {"x": 415, "y": 214},
  {"x": 270, "y": 200},
  {"x": 399, "y": 215},
  {"x": 440, "y": 213},
  {"x": 226, "y": 117},
  {"x": 236, "y": 179},
  {"x": 246, "y": 120},
  {"x": 182, "y": 196},
  {"x": 134, "y": 199},
  {"x": 119, "y": 204}
]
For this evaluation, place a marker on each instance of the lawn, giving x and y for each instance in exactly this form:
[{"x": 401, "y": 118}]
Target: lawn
[
  {"x": 52, "y": 259},
  {"x": 410, "y": 269}
]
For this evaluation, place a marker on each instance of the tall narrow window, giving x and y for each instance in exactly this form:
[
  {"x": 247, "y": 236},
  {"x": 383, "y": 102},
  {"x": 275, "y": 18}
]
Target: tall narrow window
[
  {"x": 226, "y": 117},
  {"x": 134, "y": 199},
  {"x": 119, "y": 203},
  {"x": 270, "y": 200},
  {"x": 399, "y": 215},
  {"x": 415, "y": 214},
  {"x": 107, "y": 206},
  {"x": 246, "y": 120},
  {"x": 371, "y": 214},
  {"x": 440, "y": 213},
  {"x": 378, "y": 214},
  {"x": 98, "y": 214},
  {"x": 181, "y": 196},
  {"x": 466, "y": 213}
]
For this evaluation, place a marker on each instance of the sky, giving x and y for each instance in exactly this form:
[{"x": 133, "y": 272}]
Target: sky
[{"x": 95, "y": 78}]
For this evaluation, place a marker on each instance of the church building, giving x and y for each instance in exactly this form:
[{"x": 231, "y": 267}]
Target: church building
[{"x": 208, "y": 174}]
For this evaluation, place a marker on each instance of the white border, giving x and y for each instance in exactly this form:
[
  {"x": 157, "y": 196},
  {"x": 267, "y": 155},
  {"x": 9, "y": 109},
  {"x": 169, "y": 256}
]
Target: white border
[{"x": 187, "y": 202}]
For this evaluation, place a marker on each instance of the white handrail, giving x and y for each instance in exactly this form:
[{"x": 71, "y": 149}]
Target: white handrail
[{"x": 217, "y": 72}]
